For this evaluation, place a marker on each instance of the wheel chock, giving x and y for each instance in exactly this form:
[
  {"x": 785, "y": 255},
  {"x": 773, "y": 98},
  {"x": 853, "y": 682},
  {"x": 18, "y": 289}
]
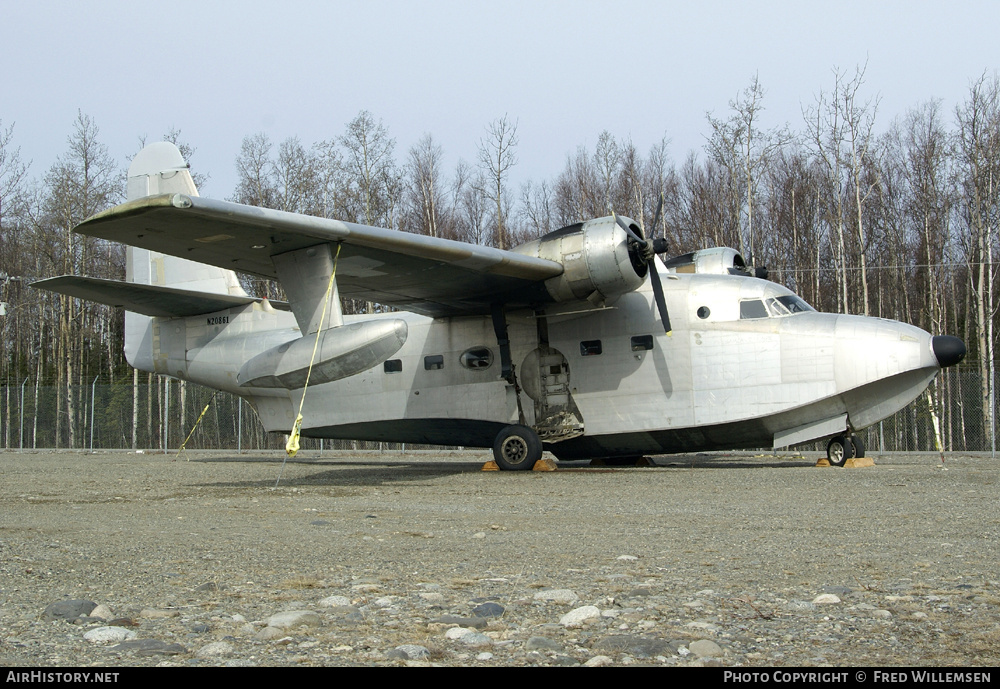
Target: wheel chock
[
  {"x": 858, "y": 462},
  {"x": 543, "y": 464},
  {"x": 852, "y": 463}
]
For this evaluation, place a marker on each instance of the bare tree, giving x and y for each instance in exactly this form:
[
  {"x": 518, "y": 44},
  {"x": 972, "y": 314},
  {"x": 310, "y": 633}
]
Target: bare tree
[
  {"x": 496, "y": 158},
  {"x": 978, "y": 170},
  {"x": 199, "y": 177},
  {"x": 84, "y": 181},
  {"x": 424, "y": 186},
  {"x": 741, "y": 146},
  {"x": 826, "y": 134},
  {"x": 255, "y": 186},
  {"x": 470, "y": 204},
  {"x": 370, "y": 167},
  {"x": 12, "y": 173},
  {"x": 660, "y": 180},
  {"x": 536, "y": 209},
  {"x": 298, "y": 179},
  {"x": 331, "y": 179},
  {"x": 842, "y": 132},
  {"x": 930, "y": 199},
  {"x": 575, "y": 189},
  {"x": 859, "y": 120},
  {"x": 630, "y": 196},
  {"x": 607, "y": 159}
]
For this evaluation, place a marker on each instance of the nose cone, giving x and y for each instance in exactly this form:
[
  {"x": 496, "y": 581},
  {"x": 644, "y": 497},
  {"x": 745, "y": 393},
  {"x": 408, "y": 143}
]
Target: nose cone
[{"x": 948, "y": 350}]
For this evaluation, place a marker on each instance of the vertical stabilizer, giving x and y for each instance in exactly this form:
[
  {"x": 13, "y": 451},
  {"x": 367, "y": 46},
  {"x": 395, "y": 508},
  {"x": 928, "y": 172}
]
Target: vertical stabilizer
[{"x": 159, "y": 168}]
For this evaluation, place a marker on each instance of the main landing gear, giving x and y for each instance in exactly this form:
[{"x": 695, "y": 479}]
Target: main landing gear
[
  {"x": 517, "y": 448},
  {"x": 842, "y": 448}
]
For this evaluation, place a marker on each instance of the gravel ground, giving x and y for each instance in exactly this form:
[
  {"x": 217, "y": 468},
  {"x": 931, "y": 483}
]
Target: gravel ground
[{"x": 735, "y": 560}]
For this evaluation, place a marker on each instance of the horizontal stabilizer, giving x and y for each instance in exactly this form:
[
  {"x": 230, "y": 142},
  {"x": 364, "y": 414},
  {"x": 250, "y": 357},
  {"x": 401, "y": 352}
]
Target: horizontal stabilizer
[{"x": 149, "y": 300}]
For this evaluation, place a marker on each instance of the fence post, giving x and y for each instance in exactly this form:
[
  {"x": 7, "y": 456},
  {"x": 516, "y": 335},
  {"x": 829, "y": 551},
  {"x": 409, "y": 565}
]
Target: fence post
[
  {"x": 93, "y": 396},
  {"x": 22, "y": 415},
  {"x": 166, "y": 415},
  {"x": 239, "y": 427},
  {"x": 993, "y": 409}
]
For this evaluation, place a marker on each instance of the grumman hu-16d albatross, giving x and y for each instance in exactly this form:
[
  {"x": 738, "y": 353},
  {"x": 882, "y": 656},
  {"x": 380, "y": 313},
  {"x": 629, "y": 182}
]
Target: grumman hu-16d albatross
[{"x": 582, "y": 342}]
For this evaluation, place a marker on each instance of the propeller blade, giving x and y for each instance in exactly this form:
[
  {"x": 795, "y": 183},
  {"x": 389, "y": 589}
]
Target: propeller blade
[
  {"x": 656, "y": 216},
  {"x": 650, "y": 260},
  {"x": 661, "y": 302},
  {"x": 628, "y": 230}
]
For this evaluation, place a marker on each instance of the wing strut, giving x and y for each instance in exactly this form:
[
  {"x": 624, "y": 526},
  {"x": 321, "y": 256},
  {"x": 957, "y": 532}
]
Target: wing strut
[{"x": 507, "y": 370}]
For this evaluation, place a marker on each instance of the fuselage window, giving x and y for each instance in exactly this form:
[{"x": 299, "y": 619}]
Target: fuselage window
[
  {"x": 477, "y": 358},
  {"x": 641, "y": 342},
  {"x": 590, "y": 348},
  {"x": 393, "y": 365},
  {"x": 704, "y": 312},
  {"x": 433, "y": 362},
  {"x": 752, "y": 308}
]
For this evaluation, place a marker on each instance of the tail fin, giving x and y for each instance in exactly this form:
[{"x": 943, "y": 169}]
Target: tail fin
[{"x": 159, "y": 168}]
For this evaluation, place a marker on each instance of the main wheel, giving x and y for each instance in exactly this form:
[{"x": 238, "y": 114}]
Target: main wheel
[
  {"x": 517, "y": 448},
  {"x": 859, "y": 446},
  {"x": 839, "y": 450}
]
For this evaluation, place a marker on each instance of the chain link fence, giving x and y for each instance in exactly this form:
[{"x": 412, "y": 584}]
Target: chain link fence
[
  {"x": 146, "y": 417},
  {"x": 161, "y": 415}
]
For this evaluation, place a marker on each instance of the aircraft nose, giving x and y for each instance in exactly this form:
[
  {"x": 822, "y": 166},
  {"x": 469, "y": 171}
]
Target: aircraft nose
[{"x": 948, "y": 350}]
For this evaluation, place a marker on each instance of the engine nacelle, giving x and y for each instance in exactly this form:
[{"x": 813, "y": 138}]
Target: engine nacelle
[
  {"x": 598, "y": 263},
  {"x": 720, "y": 260}
]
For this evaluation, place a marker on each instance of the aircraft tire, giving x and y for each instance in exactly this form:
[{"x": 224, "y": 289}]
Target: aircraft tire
[
  {"x": 839, "y": 450},
  {"x": 859, "y": 446},
  {"x": 517, "y": 448}
]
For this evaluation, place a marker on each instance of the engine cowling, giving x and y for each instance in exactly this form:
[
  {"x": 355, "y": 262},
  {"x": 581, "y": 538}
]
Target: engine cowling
[
  {"x": 719, "y": 260},
  {"x": 599, "y": 263}
]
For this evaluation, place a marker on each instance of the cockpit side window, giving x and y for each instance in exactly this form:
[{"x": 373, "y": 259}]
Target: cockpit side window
[{"x": 752, "y": 308}]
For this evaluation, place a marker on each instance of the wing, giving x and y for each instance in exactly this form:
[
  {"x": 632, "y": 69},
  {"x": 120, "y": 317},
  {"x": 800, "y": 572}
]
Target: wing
[
  {"x": 149, "y": 300},
  {"x": 436, "y": 277}
]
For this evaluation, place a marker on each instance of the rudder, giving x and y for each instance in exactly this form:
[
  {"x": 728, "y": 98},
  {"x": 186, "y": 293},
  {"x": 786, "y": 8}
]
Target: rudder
[{"x": 159, "y": 168}]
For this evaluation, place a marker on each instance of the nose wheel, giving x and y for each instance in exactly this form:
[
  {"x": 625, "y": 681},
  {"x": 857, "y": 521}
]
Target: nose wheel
[
  {"x": 839, "y": 450},
  {"x": 517, "y": 448},
  {"x": 842, "y": 448}
]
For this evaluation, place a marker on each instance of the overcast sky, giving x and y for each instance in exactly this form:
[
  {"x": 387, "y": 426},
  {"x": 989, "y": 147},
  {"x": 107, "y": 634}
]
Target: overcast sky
[{"x": 564, "y": 71}]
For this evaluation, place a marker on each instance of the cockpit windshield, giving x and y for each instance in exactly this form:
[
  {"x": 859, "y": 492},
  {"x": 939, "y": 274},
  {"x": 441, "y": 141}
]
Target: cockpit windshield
[
  {"x": 784, "y": 305},
  {"x": 780, "y": 306}
]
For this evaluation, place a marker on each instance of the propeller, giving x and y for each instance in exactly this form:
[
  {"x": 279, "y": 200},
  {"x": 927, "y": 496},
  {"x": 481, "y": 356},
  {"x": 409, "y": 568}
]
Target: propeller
[{"x": 646, "y": 250}]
